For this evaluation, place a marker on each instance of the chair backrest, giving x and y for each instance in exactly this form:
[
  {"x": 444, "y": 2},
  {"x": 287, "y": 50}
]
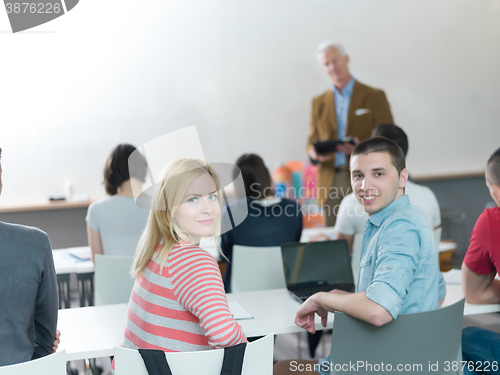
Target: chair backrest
[
  {"x": 418, "y": 339},
  {"x": 52, "y": 364},
  {"x": 113, "y": 283},
  {"x": 437, "y": 236},
  {"x": 356, "y": 255},
  {"x": 257, "y": 268},
  {"x": 258, "y": 360}
]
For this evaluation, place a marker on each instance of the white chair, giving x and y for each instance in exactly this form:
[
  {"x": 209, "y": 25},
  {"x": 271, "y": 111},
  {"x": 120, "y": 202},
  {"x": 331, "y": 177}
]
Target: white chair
[
  {"x": 257, "y": 268},
  {"x": 258, "y": 360},
  {"x": 112, "y": 280},
  {"x": 417, "y": 340},
  {"x": 53, "y": 364}
]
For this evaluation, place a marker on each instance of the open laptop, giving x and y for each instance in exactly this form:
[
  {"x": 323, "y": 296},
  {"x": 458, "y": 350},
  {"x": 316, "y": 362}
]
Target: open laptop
[{"x": 317, "y": 267}]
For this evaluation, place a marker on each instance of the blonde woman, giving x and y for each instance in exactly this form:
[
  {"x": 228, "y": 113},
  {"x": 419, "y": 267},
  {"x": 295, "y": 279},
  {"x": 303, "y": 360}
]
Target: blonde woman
[{"x": 178, "y": 301}]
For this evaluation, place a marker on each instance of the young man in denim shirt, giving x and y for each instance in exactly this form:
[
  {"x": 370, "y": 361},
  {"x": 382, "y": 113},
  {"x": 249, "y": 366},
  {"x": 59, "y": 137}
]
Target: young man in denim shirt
[{"x": 399, "y": 270}]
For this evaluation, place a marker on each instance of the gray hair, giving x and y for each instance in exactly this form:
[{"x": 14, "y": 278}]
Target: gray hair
[{"x": 325, "y": 46}]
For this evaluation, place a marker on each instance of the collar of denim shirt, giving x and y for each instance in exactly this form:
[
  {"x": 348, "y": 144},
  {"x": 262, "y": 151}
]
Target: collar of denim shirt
[
  {"x": 346, "y": 90},
  {"x": 379, "y": 217}
]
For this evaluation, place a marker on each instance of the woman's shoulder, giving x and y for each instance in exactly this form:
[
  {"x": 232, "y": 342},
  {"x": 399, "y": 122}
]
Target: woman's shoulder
[
  {"x": 189, "y": 253},
  {"x": 115, "y": 203}
]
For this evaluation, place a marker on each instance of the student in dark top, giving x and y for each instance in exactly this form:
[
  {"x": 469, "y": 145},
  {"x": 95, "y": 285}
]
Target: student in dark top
[{"x": 271, "y": 221}]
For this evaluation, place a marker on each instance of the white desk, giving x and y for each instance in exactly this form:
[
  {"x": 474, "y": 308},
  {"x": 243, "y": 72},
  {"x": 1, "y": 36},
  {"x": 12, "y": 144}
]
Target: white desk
[
  {"x": 65, "y": 263},
  {"x": 273, "y": 312},
  {"x": 454, "y": 293},
  {"x": 91, "y": 332}
]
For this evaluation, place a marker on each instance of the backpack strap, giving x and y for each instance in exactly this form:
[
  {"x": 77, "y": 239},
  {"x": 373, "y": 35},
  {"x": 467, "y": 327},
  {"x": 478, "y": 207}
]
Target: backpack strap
[
  {"x": 155, "y": 361},
  {"x": 233, "y": 359}
]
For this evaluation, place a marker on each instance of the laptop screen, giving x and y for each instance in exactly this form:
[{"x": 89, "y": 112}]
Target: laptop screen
[{"x": 317, "y": 263}]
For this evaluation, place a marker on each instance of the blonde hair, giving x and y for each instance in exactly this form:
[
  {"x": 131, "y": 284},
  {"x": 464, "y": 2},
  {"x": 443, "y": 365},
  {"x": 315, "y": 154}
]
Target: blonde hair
[{"x": 161, "y": 227}]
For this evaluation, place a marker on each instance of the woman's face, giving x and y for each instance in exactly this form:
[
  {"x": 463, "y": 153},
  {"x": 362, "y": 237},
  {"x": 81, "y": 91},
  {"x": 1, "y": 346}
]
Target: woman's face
[{"x": 200, "y": 208}]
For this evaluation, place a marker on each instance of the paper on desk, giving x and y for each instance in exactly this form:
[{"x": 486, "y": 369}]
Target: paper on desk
[
  {"x": 239, "y": 311},
  {"x": 81, "y": 254}
]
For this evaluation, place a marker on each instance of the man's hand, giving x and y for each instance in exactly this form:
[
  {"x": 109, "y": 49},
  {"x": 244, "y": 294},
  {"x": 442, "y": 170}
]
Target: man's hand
[
  {"x": 347, "y": 147},
  {"x": 56, "y": 341},
  {"x": 306, "y": 312},
  {"x": 315, "y": 156}
]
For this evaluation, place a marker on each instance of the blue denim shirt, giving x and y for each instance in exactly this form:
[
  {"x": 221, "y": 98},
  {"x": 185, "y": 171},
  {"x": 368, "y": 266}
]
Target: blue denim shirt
[{"x": 399, "y": 267}]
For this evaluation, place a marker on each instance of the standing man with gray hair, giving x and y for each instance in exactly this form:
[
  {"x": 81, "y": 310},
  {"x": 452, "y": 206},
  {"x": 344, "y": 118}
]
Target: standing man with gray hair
[{"x": 348, "y": 108}]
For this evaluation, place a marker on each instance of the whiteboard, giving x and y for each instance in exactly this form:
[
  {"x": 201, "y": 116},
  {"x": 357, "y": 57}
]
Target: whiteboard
[{"x": 244, "y": 73}]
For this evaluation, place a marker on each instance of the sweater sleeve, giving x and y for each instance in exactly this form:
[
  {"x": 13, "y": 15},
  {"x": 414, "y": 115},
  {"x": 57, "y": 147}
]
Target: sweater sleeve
[{"x": 198, "y": 287}]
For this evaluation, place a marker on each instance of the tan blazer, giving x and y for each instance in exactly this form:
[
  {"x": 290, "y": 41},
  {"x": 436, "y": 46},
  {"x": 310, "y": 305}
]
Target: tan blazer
[{"x": 368, "y": 109}]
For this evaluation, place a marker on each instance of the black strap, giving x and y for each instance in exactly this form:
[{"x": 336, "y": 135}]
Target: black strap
[
  {"x": 233, "y": 360},
  {"x": 155, "y": 361}
]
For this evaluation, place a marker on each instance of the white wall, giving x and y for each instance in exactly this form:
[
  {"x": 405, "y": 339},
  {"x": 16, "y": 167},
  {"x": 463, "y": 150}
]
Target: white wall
[{"x": 244, "y": 73}]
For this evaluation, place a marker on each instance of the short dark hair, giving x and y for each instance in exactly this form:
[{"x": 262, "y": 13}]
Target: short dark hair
[
  {"x": 493, "y": 168},
  {"x": 394, "y": 133},
  {"x": 256, "y": 177},
  {"x": 382, "y": 144},
  {"x": 116, "y": 171}
]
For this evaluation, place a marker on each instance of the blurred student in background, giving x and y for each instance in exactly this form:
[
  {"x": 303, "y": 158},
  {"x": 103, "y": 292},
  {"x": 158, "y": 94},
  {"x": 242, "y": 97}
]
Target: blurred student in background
[
  {"x": 271, "y": 221},
  {"x": 115, "y": 224}
]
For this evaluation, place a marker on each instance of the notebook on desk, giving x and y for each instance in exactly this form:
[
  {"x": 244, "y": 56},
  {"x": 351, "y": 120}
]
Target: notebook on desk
[{"x": 317, "y": 267}]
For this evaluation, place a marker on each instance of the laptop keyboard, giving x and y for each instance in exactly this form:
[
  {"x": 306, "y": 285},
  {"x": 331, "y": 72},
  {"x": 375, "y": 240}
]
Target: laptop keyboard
[{"x": 305, "y": 293}]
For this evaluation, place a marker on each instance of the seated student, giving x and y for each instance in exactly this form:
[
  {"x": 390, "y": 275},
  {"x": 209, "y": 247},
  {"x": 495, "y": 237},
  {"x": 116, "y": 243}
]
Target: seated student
[
  {"x": 400, "y": 273},
  {"x": 28, "y": 294},
  {"x": 115, "y": 224},
  {"x": 271, "y": 221},
  {"x": 178, "y": 301},
  {"x": 351, "y": 217},
  {"x": 481, "y": 264}
]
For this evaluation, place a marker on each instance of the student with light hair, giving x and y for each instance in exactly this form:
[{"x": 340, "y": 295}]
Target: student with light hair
[{"x": 178, "y": 301}]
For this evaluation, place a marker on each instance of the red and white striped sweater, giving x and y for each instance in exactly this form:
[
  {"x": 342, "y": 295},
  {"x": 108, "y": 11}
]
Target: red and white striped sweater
[{"x": 182, "y": 309}]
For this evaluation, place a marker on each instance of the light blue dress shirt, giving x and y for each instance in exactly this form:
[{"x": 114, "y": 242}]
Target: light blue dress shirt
[
  {"x": 342, "y": 102},
  {"x": 399, "y": 267}
]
